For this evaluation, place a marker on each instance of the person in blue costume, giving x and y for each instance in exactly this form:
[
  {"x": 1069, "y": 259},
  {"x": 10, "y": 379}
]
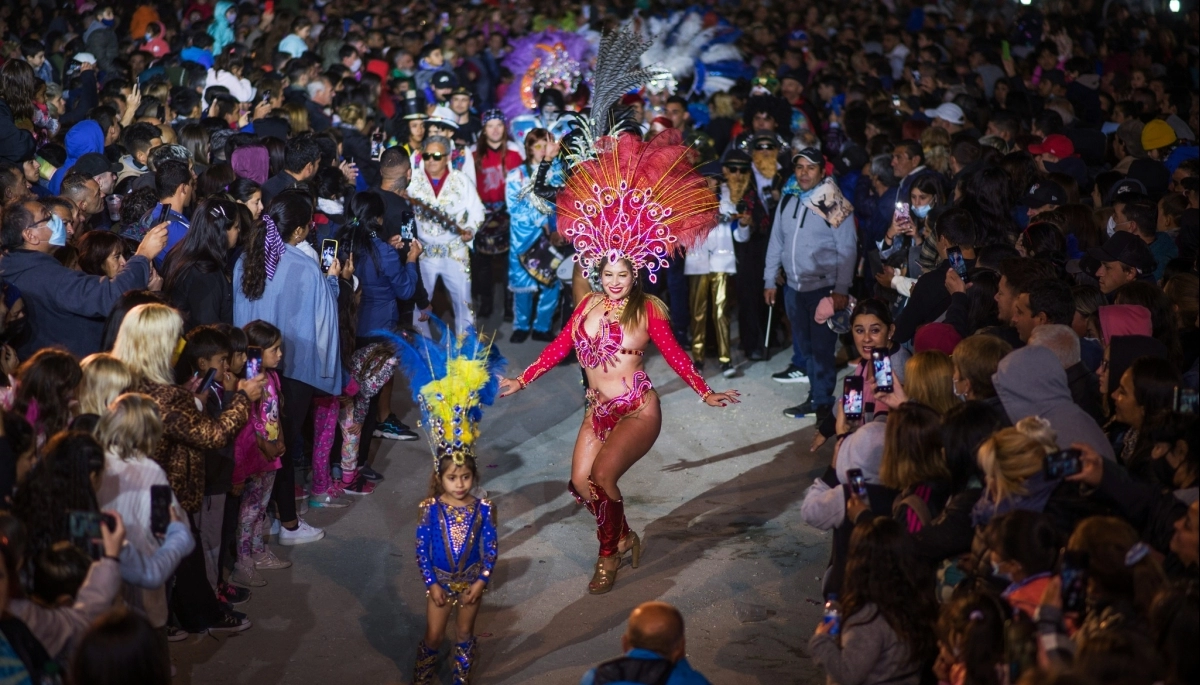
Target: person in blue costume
[
  {"x": 456, "y": 531},
  {"x": 529, "y": 218}
]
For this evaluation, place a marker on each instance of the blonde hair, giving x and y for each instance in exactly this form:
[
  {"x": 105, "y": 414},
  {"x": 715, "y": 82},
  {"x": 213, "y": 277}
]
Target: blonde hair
[
  {"x": 297, "y": 116},
  {"x": 132, "y": 427},
  {"x": 1007, "y": 459},
  {"x": 720, "y": 105},
  {"x": 977, "y": 357},
  {"x": 104, "y": 378},
  {"x": 929, "y": 379},
  {"x": 351, "y": 113},
  {"x": 147, "y": 340},
  {"x": 935, "y": 144}
]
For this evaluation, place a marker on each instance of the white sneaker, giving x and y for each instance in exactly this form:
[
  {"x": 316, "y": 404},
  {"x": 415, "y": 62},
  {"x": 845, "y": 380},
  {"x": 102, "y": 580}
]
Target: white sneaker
[
  {"x": 303, "y": 534},
  {"x": 275, "y": 526},
  {"x": 246, "y": 575},
  {"x": 267, "y": 561}
]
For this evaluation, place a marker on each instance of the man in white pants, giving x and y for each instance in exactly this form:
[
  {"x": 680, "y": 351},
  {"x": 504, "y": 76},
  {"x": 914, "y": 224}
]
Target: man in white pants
[{"x": 447, "y": 255}]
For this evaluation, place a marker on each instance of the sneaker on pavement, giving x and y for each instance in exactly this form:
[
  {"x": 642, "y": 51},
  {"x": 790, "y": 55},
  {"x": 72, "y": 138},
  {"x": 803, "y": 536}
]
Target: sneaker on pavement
[
  {"x": 392, "y": 428},
  {"x": 728, "y": 370},
  {"x": 246, "y": 575},
  {"x": 327, "y": 500},
  {"x": 361, "y": 486},
  {"x": 232, "y": 594},
  {"x": 176, "y": 634},
  {"x": 790, "y": 375},
  {"x": 231, "y": 622},
  {"x": 370, "y": 474},
  {"x": 799, "y": 411},
  {"x": 275, "y": 527},
  {"x": 267, "y": 561},
  {"x": 303, "y": 534}
]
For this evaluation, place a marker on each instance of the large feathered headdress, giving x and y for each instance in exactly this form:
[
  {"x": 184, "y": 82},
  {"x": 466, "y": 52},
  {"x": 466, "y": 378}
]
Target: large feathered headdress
[
  {"x": 626, "y": 198},
  {"x": 452, "y": 379}
]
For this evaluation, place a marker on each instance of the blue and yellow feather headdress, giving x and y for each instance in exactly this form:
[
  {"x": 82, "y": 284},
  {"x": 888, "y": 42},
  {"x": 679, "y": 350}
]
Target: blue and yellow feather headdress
[{"x": 452, "y": 379}]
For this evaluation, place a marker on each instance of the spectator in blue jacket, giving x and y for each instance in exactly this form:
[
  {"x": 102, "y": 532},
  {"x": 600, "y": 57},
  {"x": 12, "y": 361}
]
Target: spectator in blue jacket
[
  {"x": 383, "y": 276},
  {"x": 655, "y": 651}
]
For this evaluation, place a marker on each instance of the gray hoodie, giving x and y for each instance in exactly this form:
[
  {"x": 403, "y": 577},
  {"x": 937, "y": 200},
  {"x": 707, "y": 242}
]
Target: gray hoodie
[
  {"x": 1031, "y": 382},
  {"x": 813, "y": 254}
]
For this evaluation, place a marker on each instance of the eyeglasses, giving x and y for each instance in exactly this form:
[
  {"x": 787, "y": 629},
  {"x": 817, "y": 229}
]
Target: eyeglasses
[
  {"x": 765, "y": 146},
  {"x": 738, "y": 172},
  {"x": 434, "y": 156}
]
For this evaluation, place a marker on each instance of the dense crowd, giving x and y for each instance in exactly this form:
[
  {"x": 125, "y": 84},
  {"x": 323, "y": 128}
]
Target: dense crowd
[{"x": 975, "y": 224}]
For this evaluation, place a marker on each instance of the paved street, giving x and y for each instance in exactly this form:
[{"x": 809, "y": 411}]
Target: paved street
[{"x": 717, "y": 502}]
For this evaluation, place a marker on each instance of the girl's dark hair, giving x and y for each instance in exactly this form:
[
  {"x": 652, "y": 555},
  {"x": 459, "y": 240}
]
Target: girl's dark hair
[
  {"x": 237, "y": 337},
  {"x": 195, "y": 138},
  {"x": 445, "y": 464},
  {"x": 136, "y": 204},
  {"x": 882, "y": 569},
  {"x": 242, "y": 188},
  {"x": 131, "y": 299},
  {"x": 365, "y": 218},
  {"x": 276, "y": 155},
  {"x": 215, "y": 180},
  {"x": 1044, "y": 240},
  {"x": 59, "y": 571},
  {"x": 288, "y": 210},
  {"x": 58, "y": 484},
  {"x": 964, "y": 428},
  {"x": 205, "y": 244},
  {"x": 259, "y": 333},
  {"x": 982, "y": 310},
  {"x": 120, "y": 647},
  {"x": 1175, "y": 628},
  {"x": 1027, "y": 538},
  {"x": 973, "y": 625},
  {"x": 1154, "y": 382},
  {"x": 987, "y": 196},
  {"x": 19, "y": 84},
  {"x": 203, "y": 342},
  {"x": 1107, "y": 541},
  {"x": 872, "y": 307},
  {"x": 95, "y": 247},
  {"x": 930, "y": 184},
  {"x": 48, "y": 378}
]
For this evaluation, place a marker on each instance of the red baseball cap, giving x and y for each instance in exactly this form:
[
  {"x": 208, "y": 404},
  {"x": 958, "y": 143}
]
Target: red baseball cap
[{"x": 1057, "y": 144}]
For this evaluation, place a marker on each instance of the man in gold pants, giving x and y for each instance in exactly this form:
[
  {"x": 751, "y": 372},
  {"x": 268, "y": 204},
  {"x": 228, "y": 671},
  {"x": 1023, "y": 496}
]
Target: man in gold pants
[{"x": 708, "y": 268}]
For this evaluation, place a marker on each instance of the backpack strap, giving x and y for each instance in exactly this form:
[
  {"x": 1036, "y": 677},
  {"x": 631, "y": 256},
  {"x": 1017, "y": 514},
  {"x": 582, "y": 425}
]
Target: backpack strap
[{"x": 918, "y": 507}]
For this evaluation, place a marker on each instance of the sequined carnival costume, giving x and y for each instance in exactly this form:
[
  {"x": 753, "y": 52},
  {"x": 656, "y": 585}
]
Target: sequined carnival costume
[
  {"x": 629, "y": 201},
  {"x": 456, "y": 546}
]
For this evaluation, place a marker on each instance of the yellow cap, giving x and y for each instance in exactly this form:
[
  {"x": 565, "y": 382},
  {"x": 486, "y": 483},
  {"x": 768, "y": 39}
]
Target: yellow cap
[{"x": 1156, "y": 134}]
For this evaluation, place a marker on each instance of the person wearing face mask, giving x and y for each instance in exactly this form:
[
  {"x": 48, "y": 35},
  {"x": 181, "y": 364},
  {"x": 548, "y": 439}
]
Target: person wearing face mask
[
  {"x": 101, "y": 39},
  {"x": 221, "y": 28},
  {"x": 64, "y": 307},
  {"x": 908, "y": 248},
  {"x": 1023, "y": 550}
]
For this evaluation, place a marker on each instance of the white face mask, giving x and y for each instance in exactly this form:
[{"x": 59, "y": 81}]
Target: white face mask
[
  {"x": 1112, "y": 226},
  {"x": 356, "y": 65}
]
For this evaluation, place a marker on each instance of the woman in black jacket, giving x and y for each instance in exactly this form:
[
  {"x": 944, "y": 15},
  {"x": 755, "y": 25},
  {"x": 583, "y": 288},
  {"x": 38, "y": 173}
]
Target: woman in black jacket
[
  {"x": 356, "y": 147},
  {"x": 196, "y": 280},
  {"x": 16, "y": 104}
]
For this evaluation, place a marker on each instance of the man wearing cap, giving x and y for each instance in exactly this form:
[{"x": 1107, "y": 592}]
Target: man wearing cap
[
  {"x": 441, "y": 86},
  {"x": 818, "y": 261},
  {"x": 1161, "y": 143},
  {"x": 1044, "y": 196},
  {"x": 494, "y": 155},
  {"x": 751, "y": 234},
  {"x": 1052, "y": 149},
  {"x": 1122, "y": 259},
  {"x": 469, "y": 125},
  {"x": 948, "y": 116},
  {"x": 1137, "y": 214},
  {"x": 444, "y": 123}
]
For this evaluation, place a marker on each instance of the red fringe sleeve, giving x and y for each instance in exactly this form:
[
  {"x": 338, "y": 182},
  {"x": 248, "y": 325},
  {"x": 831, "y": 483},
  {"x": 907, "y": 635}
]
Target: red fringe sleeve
[{"x": 680, "y": 362}]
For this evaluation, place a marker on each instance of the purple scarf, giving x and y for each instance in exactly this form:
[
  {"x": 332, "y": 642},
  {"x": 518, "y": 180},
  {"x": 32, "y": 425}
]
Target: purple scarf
[{"x": 273, "y": 247}]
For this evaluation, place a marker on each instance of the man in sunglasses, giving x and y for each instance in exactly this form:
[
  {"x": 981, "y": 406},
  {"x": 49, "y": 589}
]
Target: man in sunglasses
[{"x": 448, "y": 213}]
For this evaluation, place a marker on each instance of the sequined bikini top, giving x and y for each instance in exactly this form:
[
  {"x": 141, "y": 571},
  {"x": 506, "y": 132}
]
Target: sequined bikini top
[{"x": 601, "y": 350}]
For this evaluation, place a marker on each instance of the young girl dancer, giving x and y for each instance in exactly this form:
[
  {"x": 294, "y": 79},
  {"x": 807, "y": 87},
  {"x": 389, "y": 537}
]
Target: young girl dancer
[
  {"x": 456, "y": 532},
  {"x": 626, "y": 208}
]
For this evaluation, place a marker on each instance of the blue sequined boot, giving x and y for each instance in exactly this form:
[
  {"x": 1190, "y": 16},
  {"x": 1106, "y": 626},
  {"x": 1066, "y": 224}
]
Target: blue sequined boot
[
  {"x": 426, "y": 667},
  {"x": 464, "y": 658}
]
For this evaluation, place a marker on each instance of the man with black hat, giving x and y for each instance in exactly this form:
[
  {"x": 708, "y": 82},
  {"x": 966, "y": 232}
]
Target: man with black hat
[
  {"x": 469, "y": 125},
  {"x": 1122, "y": 259},
  {"x": 442, "y": 85},
  {"x": 751, "y": 235},
  {"x": 763, "y": 149},
  {"x": 818, "y": 260},
  {"x": 1044, "y": 196}
]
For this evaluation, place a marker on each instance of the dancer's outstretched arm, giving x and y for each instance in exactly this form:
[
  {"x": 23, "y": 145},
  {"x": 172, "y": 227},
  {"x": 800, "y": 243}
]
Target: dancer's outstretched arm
[
  {"x": 660, "y": 333},
  {"x": 554, "y": 353}
]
